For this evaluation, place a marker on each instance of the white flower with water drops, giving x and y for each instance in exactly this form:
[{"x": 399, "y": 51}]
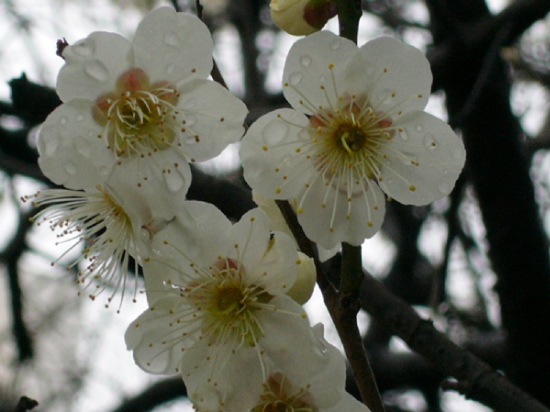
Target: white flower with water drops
[
  {"x": 358, "y": 131},
  {"x": 218, "y": 306},
  {"x": 144, "y": 106}
]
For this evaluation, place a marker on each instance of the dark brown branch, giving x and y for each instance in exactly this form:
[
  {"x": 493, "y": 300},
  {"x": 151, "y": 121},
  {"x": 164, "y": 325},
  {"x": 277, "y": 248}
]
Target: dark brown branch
[{"x": 155, "y": 395}]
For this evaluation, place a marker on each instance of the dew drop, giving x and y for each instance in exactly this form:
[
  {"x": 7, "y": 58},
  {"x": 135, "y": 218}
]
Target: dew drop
[
  {"x": 275, "y": 131},
  {"x": 70, "y": 168},
  {"x": 404, "y": 135},
  {"x": 190, "y": 120},
  {"x": 429, "y": 142},
  {"x": 174, "y": 180},
  {"x": 83, "y": 49},
  {"x": 96, "y": 70},
  {"x": 335, "y": 45},
  {"x": 63, "y": 120},
  {"x": 305, "y": 61},
  {"x": 170, "y": 69},
  {"x": 418, "y": 127},
  {"x": 171, "y": 39},
  {"x": 84, "y": 149},
  {"x": 295, "y": 78},
  {"x": 444, "y": 188},
  {"x": 79, "y": 118},
  {"x": 50, "y": 146}
]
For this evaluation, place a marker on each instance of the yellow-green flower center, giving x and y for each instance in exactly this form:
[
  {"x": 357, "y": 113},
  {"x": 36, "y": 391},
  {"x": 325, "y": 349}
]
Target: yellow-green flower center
[{"x": 139, "y": 118}]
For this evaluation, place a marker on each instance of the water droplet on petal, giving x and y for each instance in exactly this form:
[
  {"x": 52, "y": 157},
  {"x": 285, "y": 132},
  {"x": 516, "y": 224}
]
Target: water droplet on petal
[
  {"x": 96, "y": 70},
  {"x": 418, "y": 127},
  {"x": 429, "y": 142},
  {"x": 190, "y": 120},
  {"x": 84, "y": 149},
  {"x": 444, "y": 188},
  {"x": 50, "y": 146},
  {"x": 335, "y": 45},
  {"x": 305, "y": 61},
  {"x": 457, "y": 154},
  {"x": 403, "y": 134},
  {"x": 275, "y": 131},
  {"x": 295, "y": 78},
  {"x": 63, "y": 120},
  {"x": 83, "y": 49},
  {"x": 79, "y": 118},
  {"x": 70, "y": 168},
  {"x": 170, "y": 69},
  {"x": 174, "y": 180},
  {"x": 171, "y": 39}
]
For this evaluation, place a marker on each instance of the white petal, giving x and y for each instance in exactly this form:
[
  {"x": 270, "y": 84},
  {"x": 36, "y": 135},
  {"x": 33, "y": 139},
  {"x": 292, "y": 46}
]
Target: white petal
[
  {"x": 334, "y": 223},
  {"x": 166, "y": 169},
  {"x": 273, "y": 164},
  {"x": 215, "y": 377},
  {"x": 278, "y": 268},
  {"x": 438, "y": 151},
  {"x": 307, "y": 69},
  {"x": 155, "y": 338},
  {"x": 70, "y": 152},
  {"x": 93, "y": 65},
  {"x": 250, "y": 238},
  {"x": 172, "y": 46},
  {"x": 395, "y": 76},
  {"x": 213, "y": 119},
  {"x": 347, "y": 403}
]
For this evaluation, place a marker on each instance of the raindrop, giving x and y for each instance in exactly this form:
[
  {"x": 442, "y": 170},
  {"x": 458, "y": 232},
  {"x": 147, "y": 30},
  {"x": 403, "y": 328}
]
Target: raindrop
[
  {"x": 190, "y": 120},
  {"x": 82, "y": 49},
  {"x": 174, "y": 180},
  {"x": 171, "y": 39},
  {"x": 305, "y": 61},
  {"x": 429, "y": 142},
  {"x": 70, "y": 168},
  {"x": 444, "y": 188},
  {"x": 63, "y": 120},
  {"x": 170, "y": 69},
  {"x": 445, "y": 172},
  {"x": 275, "y": 131},
  {"x": 418, "y": 127},
  {"x": 335, "y": 45},
  {"x": 50, "y": 146},
  {"x": 295, "y": 78},
  {"x": 403, "y": 134},
  {"x": 85, "y": 149},
  {"x": 96, "y": 70},
  {"x": 79, "y": 118}
]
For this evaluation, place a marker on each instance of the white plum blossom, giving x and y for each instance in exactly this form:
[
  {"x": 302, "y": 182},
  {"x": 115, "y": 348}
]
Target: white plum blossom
[
  {"x": 111, "y": 223},
  {"x": 317, "y": 388},
  {"x": 358, "y": 132},
  {"x": 145, "y": 107},
  {"x": 219, "y": 312}
]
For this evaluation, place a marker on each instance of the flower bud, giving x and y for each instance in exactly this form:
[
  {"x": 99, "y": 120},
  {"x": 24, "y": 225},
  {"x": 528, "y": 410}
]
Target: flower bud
[{"x": 302, "y": 17}]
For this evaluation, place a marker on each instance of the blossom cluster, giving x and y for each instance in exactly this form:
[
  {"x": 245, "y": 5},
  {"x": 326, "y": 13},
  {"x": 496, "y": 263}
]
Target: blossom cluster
[{"x": 225, "y": 299}]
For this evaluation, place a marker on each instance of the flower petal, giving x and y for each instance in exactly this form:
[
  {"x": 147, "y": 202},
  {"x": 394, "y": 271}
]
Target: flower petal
[
  {"x": 93, "y": 65},
  {"x": 395, "y": 76},
  {"x": 213, "y": 118},
  {"x": 70, "y": 152},
  {"x": 438, "y": 156},
  {"x": 329, "y": 216},
  {"x": 307, "y": 69},
  {"x": 172, "y": 46},
  {"x": 271, "y": 155}
]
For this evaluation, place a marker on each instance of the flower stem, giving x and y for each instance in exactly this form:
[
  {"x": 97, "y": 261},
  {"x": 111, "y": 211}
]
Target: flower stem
[
  {"x": 345, "y": 312},
  {"x": 343, "y": 306},
  {"x": 349, "y": 13}
]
